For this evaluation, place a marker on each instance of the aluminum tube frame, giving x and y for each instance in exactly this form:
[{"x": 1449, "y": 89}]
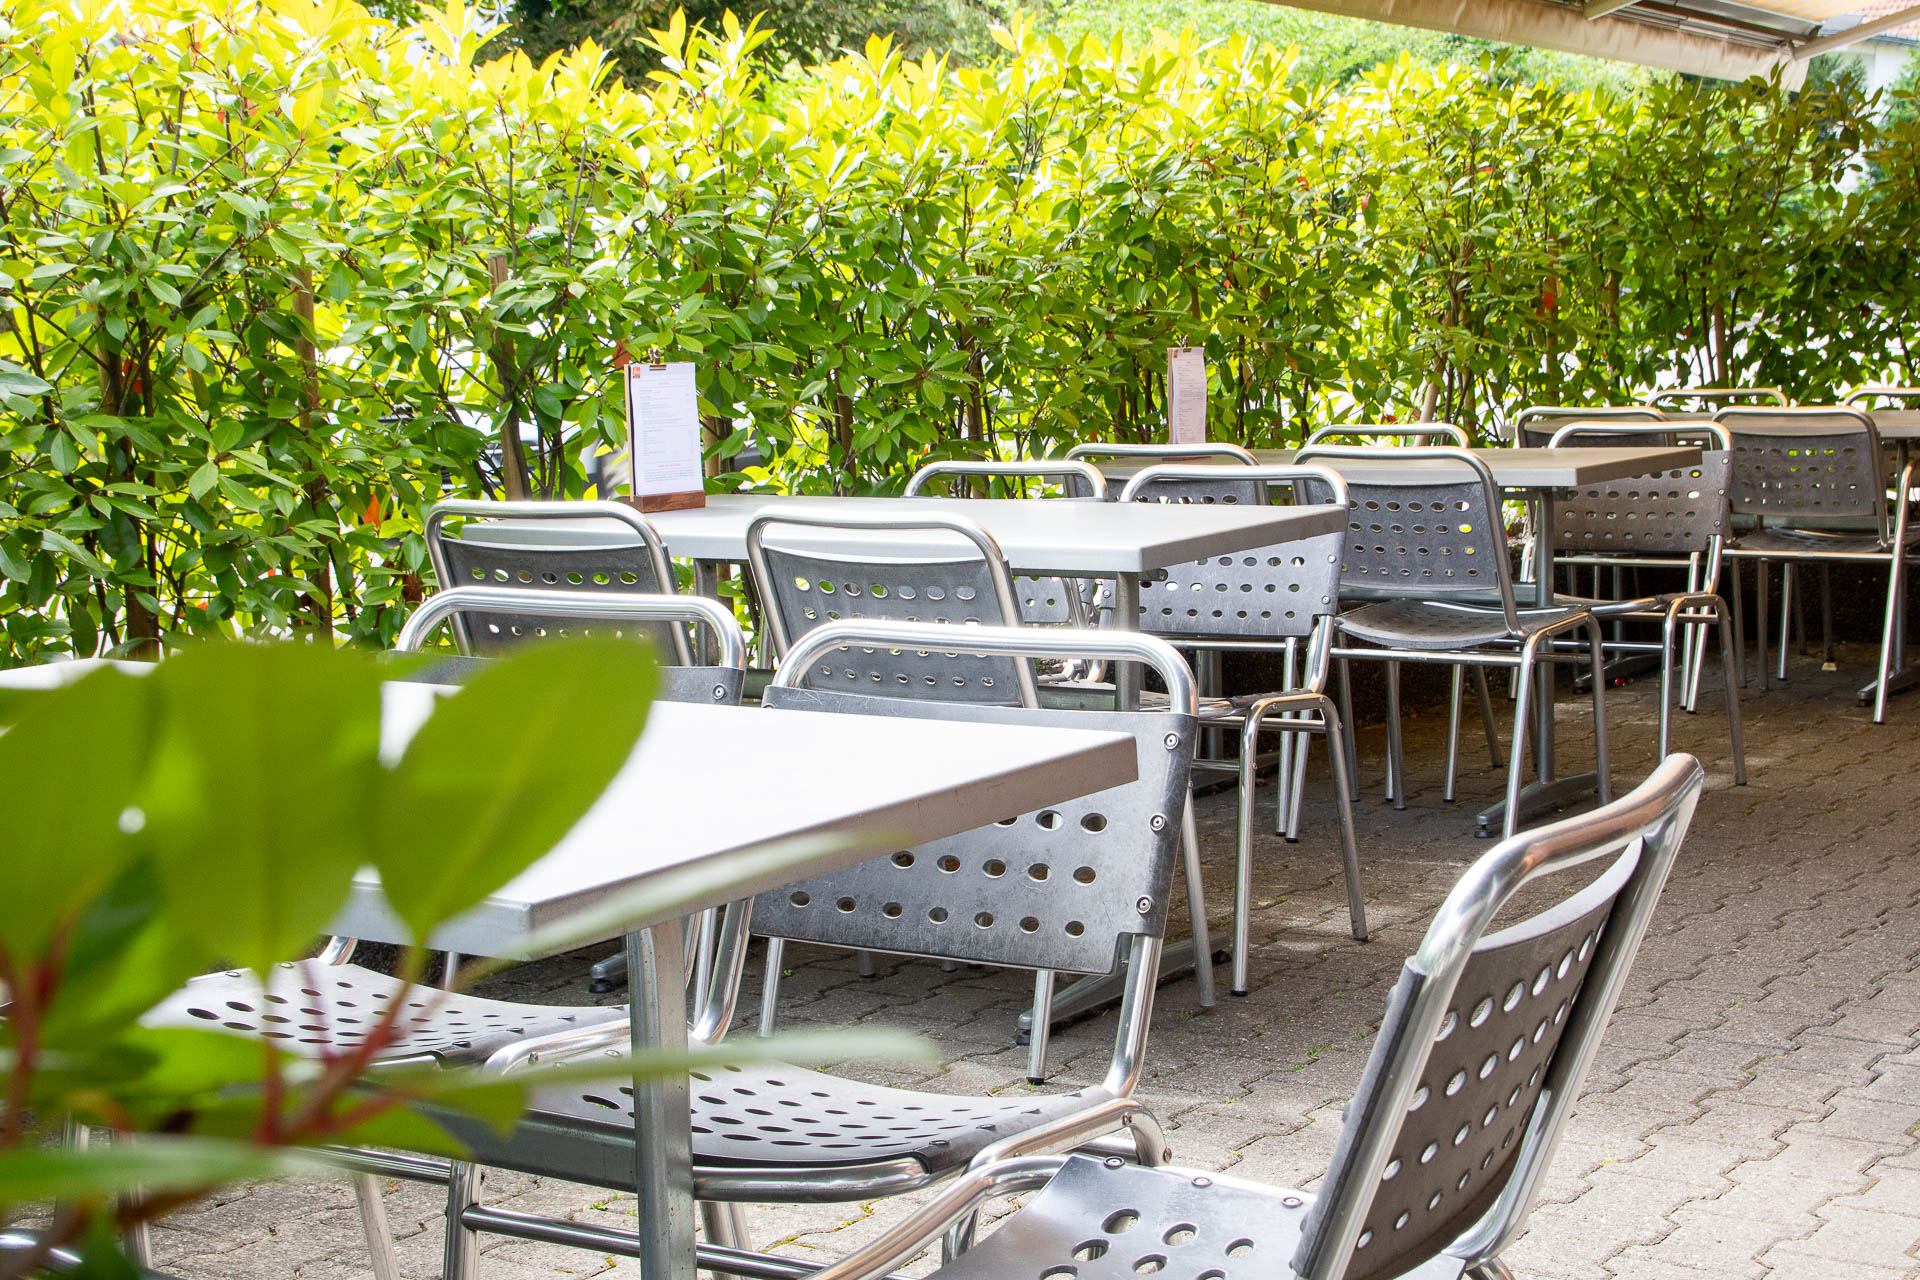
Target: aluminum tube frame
[{"x": 629, "y": 606}]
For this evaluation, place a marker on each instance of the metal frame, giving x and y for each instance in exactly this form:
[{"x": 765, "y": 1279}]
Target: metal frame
[
  {"x": 1727, "y": 396},
  {"x": 993, "y": 561},
  {"x": 1642, "y": 832},
  {"x": 1425, "y": 432},
  {"x": 1103, "y": 1109},
  {"x": 1068, "y": 469},
  {"x": 1300, "y": 708},
  {"x": 650, "y": 544},
  {"x": 1525, "y": 432},
  {"x": 1878, "y": 391},
  {"x": 1162, "y": 452},
  {"x": 1887, "y": 543},
  {"x": 1534, "y": 641}
]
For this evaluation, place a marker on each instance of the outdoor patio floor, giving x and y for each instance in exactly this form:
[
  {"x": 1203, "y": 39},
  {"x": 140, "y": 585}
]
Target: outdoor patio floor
[{"x": 1755, "y": 1109}]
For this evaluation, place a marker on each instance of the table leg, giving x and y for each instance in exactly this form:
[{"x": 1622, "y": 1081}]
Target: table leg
[
  {"x": 662, "y": 1133},
  {"x": 1126, "y": 617}
]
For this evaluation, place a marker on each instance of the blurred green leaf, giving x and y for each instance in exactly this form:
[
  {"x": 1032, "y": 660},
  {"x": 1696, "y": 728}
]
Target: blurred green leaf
[
  {"x": 503, "y": 769},
  {"x": 251, "y": 854}
]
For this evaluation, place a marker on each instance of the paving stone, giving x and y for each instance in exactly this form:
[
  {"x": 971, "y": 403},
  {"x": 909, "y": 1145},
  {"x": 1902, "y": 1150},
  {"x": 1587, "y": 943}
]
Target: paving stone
[{"x": 1752, "y": 1112}]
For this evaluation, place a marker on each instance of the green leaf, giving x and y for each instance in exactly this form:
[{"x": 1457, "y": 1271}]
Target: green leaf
[
  {"x": 258, "y": 805},
  {"x": 74, "y": 761},
  {"x": 15, "y": 381},
  {"x": 204, "y": 477},
  {"x": 152, "y": 1164},
  {"x": 503, "y": 769}
]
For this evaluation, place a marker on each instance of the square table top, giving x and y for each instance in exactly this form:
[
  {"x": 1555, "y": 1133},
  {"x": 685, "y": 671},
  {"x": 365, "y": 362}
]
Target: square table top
[
  {"x": 1512, "y": 468},
  {"x": 884, "y": 781},
  {"x": 1036, "y": 536}
]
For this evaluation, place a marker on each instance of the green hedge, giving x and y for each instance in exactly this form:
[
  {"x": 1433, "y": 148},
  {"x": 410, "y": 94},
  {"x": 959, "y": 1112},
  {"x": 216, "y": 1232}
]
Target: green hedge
[{"x": 278, "y": 274}]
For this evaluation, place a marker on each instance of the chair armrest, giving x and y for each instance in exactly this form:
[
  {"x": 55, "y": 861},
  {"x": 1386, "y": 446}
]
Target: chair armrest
[{"x": 925, "y": 1225}]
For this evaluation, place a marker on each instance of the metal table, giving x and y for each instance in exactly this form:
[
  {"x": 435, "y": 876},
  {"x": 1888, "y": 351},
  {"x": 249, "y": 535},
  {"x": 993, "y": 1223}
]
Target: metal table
[
  {"x": 1531, "y": 474},
  {"x": 676, "y": 807},
  {"x": 1074, "y": 539}
]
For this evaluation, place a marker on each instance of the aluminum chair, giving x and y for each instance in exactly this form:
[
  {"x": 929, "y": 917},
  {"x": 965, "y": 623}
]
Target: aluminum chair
[
  {"x": 1535, "y": 425},
  {"x": 1445, "y": 1145},
  {"x": 1676, "y": 519},
  {"x": 1280, "y": 598},
  {"x": 1863, "y": 397},
  {"x": 1161, "y": 452},
  {"x": 813, "y": 568},
  {"x": 1814, "y": 481},
  {"x": 1077, "y": 887},
  {"x": 609, "y": 549},
  {"x": 1044, "y": 601},
  {"x": 327, "y": 1005},
  {"x": 1429, "y": 544}
]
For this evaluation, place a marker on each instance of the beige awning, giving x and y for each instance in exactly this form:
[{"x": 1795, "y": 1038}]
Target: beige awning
[{"x": 1718, "y": 38}]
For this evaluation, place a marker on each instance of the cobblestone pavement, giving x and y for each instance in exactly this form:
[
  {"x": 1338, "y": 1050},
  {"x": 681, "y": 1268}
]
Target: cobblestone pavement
[{"x": 1755, "y": 1109}]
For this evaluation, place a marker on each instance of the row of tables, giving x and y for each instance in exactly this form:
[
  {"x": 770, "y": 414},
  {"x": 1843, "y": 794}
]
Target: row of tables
[{"x": 920, "y": 780}]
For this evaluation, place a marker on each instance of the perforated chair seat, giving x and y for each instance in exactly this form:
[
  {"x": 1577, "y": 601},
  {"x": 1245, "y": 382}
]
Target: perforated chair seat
[
  {"x": 1785, "y": 542},
  {"x": 1106, "y": 1220},
  {"x": 311, "y": 1008},
  {"x": 777, "y": 1116},
  {"x": 1423, "y": 624}
]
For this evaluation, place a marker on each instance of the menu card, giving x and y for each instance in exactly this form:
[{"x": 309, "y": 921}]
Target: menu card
[
  {"x": 663, "y": 436},
  {"x": 1186, "y": 395}
]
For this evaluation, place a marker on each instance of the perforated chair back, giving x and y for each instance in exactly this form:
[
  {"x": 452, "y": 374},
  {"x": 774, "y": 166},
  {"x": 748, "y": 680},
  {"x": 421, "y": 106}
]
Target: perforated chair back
[
  {"x": 940, "y": 568},
  {"x": 1486, "y": 1039},
  {"x": 1535, "y": 426},
  {"x": 1865, "y": 397},
  {"x": 1678, "y": 513},
  {"x": 1401, "y": 433},
  {"x": 1267, "y": 593},
  {"x": 1426, "y": 525},
  {"x": 1077, "y": 480},
  {"x": 602, "y": 548},
  {"x": 1043, "y": 601},
  {"x": 554, "y": 614},
  {"x": 1241, "y": 491},
  {"x": 1054, "y": 889},
  {"x": 1791, "y": 464},
  {"x": 1719, "y": 396}
]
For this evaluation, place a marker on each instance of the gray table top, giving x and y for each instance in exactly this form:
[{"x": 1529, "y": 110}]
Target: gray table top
[
  {"x": 887, "y": 781},
  {"x": 1512, "y": 468},
  {"x": 1036, "y": 536}
]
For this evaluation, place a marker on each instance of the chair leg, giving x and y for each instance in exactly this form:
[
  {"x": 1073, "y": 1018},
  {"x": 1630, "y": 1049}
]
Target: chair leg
[
  {"x": 1734, "y": 735},
  {"x": 1786, "y": 618},
  {"x": 1826, "y": 615},
  {"x": 1042, "y": 1025},
  {"x": 1487, "y": 724},
  {"x": 1734, "y": 577},
  {"x": 1346, "y": 718},
  {"x": 1396, "y": 763},
  {"x": 1601, "y": 761},
  {"x": 460, "y": 1259},
  {"x": 725, "y": 1224},
  {"x": 1517, "y": 751},
  {"x": 1453, "y": 730},
  {"x": 770, "y": 985},
  {"x": 1349, "y": 847},
  {"x": 1896, "y": 602},
  {"x": 1298, "y": 800},
  {"x": 1491, "y": 1269},
  {"x": 373, "y": 1224},
  {"x": 1197, "y": 906},
  {"x": 1760, "y": 627},
  {"x": 1243, "y": 853},
  {"x": 863, "y": 963},
  {"x": 1668, "y": 630}
]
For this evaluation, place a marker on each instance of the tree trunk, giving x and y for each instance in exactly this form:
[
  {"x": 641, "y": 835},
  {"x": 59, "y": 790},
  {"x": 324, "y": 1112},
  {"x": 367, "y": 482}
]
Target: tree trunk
[
  {"x": 319, "y": 603},
  {"x": 513, "y": 457}
]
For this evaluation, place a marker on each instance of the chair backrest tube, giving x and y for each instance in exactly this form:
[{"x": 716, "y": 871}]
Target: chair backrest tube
[
  {"x": 1069, "y": 470},
  {"x": 600, "y": 606},
  {"x": 1030, "y": 642},
  {"x": 1425, "y": 432},
  {"x": 1165, "y": 452}
]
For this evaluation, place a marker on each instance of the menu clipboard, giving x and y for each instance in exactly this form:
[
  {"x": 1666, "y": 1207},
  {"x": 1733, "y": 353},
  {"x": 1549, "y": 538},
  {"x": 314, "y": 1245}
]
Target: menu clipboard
[
  {"x": 1186, "y": 395},
  {"x": 663, "y": 437}
]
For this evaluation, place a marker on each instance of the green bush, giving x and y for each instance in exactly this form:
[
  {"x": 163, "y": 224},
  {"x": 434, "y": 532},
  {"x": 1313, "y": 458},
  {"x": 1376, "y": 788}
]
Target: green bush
[{"x": 277, "y": 274}]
